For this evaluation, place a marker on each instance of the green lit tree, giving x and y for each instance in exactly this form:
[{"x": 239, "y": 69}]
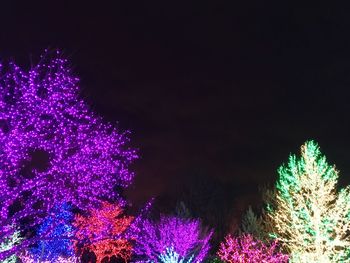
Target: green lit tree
[{"x": 306, "y": 213}]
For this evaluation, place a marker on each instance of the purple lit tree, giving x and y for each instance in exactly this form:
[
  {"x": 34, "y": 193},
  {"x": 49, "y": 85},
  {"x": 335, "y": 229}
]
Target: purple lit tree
[
  {"x": 53, "y": 149},
  {"x": 184, "y": 237}
]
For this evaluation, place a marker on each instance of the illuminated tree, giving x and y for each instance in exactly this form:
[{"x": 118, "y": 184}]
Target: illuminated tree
[
  {"x": 58, "y": 242},
  {"x": 27, "y": 257},
  {"x": 307, "y": 214},
  {"x": 246, "y": 249},
  {"x": 170, "y": 256},
  {"x": 185, "y": 237},
  {"x": 101, "y": 232},
  {"x": 9, "y": 242},
  {"x": 53, "y": 149}
]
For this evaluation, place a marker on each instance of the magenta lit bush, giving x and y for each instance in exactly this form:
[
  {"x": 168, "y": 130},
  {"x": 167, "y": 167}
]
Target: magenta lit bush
[{"x": 246, "y": 249}]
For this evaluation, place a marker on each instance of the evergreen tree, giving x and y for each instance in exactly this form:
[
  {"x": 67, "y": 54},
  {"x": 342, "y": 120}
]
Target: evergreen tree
[
  {"x": 307, "y": 214},
  {"x": 252, "y": 224}
]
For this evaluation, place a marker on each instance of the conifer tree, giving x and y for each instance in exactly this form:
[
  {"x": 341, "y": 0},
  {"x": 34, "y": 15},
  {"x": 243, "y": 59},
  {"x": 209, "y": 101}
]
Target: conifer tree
[
  {"x": 307, "y": 214},
  {"x": 252, "y": 224}
]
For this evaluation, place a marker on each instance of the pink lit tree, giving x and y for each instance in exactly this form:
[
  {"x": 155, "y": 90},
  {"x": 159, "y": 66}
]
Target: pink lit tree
[
  {"x": 53, "y": 148},
  {"x": 246, "y": 249},
  {"x": 184, "y": 237}
]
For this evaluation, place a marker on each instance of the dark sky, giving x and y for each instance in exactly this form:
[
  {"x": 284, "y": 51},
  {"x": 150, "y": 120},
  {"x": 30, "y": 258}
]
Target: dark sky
[{"x": 225, "y": 89}]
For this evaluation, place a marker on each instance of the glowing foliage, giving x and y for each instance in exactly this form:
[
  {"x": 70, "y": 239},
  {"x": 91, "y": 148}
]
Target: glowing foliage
[
  {"x": 57, "y": 231},
  {"x": 170, "y": 256},
  {"x": 246, "y": 249},
  {"x": 102, "y": 232},
  {"x": 185, "y": 236},
  {"x": 119, "y": 248},
  {"x": 307, "y": 214},
  {"x": 29, "y": 258},
  {"x": 53, "y": 149},
  {"x": 9, "y": 242}
]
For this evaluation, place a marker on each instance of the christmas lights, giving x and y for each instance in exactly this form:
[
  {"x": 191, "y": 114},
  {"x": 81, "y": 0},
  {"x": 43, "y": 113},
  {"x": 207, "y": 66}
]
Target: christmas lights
[
  {"x": 9, "y": 242},
  {"x": 306, "y": 213},
  {"x": 53, "y": 149},
  {"x": 58, "y": 242},
  {"x": 170, "y": 256},
  {"x": 27, "y": 257},
  {"x": 246, "y": 249},
  {"x": 186, "y": 237},
  {"x": 102, "y": 233}
]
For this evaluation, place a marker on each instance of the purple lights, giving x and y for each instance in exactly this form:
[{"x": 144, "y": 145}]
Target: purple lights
[
  {"x": 53, "y": 149},
  {"x": 60, "y": 168},
  {"x": 185, "y": 237}
]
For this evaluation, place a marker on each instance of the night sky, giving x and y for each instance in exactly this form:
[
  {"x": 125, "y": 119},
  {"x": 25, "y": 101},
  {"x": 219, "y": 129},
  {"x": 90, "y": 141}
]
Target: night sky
[{"x": 222, "y": 89}]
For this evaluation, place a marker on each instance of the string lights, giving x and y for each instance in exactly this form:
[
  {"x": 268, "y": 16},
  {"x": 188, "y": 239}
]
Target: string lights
[
  {"x": 306, "y": 213},
  {"x": 170, "y": 256},
  {"x": 9, "y": 242},
  {"x": 57, "y": 233},
  {"x": 185, "y": 237},
  {"x": 53, "y": 149},
  {"x": 246, "y": 249},
  {"x": 101, "y": 232}
]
